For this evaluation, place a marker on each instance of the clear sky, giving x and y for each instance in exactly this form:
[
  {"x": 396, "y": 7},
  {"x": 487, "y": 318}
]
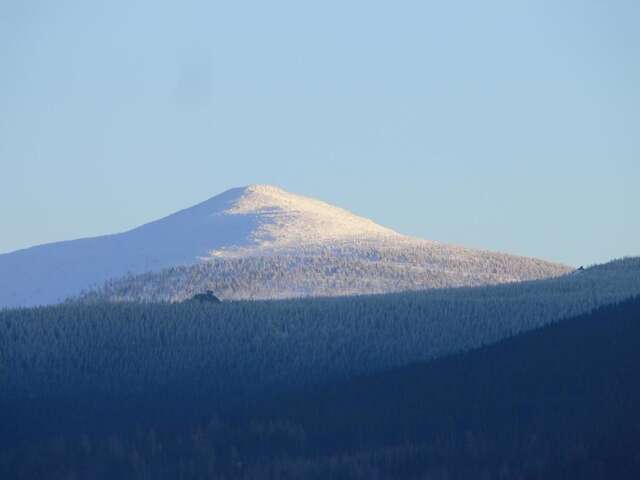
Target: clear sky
[{"x": 509, "y": 125}]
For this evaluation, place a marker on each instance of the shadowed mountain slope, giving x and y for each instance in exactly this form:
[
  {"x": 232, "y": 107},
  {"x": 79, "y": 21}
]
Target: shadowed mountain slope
[{"x": 556, "y": 403}]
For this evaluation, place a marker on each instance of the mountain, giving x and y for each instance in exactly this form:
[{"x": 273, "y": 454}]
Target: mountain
[{"x": 252, "y": 242}]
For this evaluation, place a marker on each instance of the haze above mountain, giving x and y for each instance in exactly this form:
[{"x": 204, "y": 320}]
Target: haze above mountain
[{"x": 303, "y": 246}]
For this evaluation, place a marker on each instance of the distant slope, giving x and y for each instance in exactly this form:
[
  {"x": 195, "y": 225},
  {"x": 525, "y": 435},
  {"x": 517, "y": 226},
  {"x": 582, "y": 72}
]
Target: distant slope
[
  {"x": 244, "y": 233},
  {"x": 339, "y": 269}
]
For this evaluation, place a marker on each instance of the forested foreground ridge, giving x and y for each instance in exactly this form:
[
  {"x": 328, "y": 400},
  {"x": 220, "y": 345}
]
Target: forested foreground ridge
[
  {"x": 239, "y": 349},
  {"x": 249, "y": 346},
  {"x": 559, "y": 402}
]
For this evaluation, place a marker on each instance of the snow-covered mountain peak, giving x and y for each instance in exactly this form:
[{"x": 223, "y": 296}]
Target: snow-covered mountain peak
[
  {"x": 242, "y": 230},
  {"x": 286, "y": 219}
]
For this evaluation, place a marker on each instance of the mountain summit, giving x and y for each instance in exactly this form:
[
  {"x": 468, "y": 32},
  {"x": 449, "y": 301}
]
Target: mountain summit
[
  {"x": 257, "y": 241},
  {"x": 259, "y": 217}
]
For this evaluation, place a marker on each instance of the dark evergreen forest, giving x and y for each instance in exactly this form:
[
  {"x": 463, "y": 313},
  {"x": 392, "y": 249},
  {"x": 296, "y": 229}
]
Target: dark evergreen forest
[
  {"x": 554, "y": 403},
  {"x": 230, "y": 352}
]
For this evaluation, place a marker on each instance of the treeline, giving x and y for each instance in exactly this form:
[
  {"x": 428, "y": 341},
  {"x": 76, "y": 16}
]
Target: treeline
[
  {"x": 559, "y": 402},
  {"x": 339, "y": 269}
]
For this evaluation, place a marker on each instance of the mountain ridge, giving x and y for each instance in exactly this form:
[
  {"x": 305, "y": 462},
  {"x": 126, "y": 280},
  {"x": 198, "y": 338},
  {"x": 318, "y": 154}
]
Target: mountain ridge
[{"x": 256, "y": 221}]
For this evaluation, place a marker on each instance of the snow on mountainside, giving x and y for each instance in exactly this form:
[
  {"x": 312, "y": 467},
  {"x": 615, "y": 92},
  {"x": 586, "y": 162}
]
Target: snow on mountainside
[
  {"x": 270, "y": 232},
  {"x": 292, "y": 220}
]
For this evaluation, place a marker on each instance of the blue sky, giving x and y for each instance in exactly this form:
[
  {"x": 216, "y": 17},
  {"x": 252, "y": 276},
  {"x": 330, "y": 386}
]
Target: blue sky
[{"x": 508, "y": 125}]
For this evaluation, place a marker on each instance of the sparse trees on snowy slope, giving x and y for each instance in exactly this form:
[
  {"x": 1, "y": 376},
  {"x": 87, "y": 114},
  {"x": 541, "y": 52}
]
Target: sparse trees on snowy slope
[{"x": 349, "y": 268}]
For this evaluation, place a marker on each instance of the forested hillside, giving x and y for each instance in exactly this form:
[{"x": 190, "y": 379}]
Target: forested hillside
[
  {"x": 556, "y": 403},
  {"x": 240, "y": 349},
  {"x": 340, "y": 269}
]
